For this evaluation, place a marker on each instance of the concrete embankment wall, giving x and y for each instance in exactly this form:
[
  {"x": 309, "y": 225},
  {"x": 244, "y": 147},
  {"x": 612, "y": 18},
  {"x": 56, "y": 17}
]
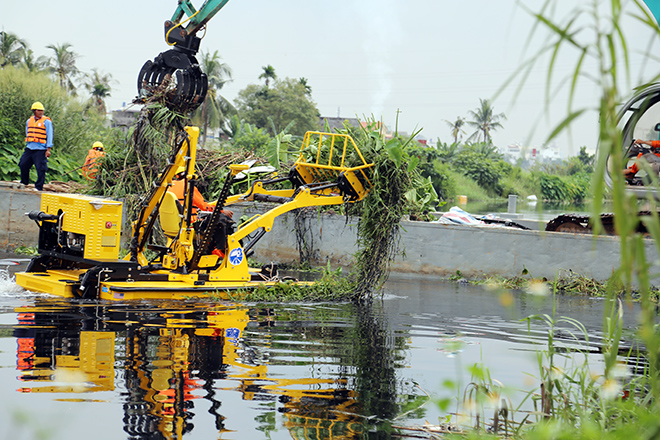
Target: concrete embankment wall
[
  {"x": 430, "y": 248},
  {"x": 16, "y": 229},
  {"x": 475, "y": 251}
]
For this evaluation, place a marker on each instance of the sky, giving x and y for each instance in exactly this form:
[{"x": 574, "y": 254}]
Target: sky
[{"x": 414, "y": 65}]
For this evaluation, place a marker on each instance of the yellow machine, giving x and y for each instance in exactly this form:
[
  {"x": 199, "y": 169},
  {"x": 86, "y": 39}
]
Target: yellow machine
[{"x": 79, "y": 236}]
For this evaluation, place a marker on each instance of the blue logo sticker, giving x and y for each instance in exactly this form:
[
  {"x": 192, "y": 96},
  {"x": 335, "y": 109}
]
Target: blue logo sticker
[
  {"x": 232, "y": 333},
  {"x": 236, "y": 256}
]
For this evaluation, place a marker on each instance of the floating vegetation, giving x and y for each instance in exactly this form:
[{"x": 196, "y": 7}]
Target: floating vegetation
[
  {"x": 567, "y": 282},
  {"x": 332, "y": 286}
]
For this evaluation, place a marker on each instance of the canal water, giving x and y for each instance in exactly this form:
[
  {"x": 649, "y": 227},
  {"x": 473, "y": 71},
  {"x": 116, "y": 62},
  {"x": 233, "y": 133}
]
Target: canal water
[
  {"x": 530, "y": 210},
  {"x": 201, "y": 370}
]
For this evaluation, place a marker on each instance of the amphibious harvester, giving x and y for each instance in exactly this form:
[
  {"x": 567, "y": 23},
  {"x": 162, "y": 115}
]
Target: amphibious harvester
[{"x": 80, "y": 236}]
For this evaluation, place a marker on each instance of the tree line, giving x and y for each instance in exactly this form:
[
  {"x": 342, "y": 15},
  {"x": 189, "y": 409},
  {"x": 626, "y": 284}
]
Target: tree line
[{"x": 265, "y": 119}]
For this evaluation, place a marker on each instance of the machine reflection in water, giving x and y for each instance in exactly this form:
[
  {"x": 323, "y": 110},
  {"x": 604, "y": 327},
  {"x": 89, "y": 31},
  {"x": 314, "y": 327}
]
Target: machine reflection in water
[{"x": 160, "y": 359}]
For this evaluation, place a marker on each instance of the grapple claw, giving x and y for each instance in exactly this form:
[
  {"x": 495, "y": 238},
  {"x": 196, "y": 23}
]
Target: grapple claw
[{"x": 175, "y": 77}]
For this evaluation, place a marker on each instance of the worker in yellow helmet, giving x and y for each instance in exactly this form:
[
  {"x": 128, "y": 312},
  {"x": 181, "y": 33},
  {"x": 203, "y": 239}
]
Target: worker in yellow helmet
[
  {"x": 91, "y": 165},
  {"x": 38, "y": 143}
]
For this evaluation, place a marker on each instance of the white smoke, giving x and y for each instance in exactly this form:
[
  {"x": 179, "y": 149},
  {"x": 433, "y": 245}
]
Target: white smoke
[{"x": 383, "y": 33}]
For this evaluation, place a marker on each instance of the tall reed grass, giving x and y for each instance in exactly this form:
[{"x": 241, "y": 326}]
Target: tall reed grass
[{"x": 572, "y": 401}]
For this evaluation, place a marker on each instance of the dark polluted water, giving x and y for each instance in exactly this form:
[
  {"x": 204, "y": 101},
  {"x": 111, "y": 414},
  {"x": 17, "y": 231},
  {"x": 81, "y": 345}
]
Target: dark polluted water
[{"x": 196, "y": 370}]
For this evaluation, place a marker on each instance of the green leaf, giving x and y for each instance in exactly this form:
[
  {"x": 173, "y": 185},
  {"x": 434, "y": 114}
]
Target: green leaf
[
  {"x": 411, "y": 195},
  {"x": 394, "y": 151},
  {"x": 412, "y": 164}
]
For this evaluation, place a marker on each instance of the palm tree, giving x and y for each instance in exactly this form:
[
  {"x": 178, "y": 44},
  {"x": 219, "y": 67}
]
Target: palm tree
[
  {"x": 486, "y": 151},
  {"x": 11, "y": 48},
  {"x": 448, "y": 152},
  {"x": 457, "y": 128},
  {"x": 308, "y": 88},
  {"x": 63, "y": 66},
  {"x": 98, "y": 85},
  {"x": 215, "y": 108},
  {"x": 268, "y": 74},
  {"x": 31, "y": 64},
  {"x": 484, "y": 121}
]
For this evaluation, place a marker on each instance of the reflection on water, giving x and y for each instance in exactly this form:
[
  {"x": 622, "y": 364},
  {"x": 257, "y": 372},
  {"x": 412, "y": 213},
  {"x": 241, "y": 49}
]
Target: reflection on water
[
  {"x": 161, "y": 359},
  {"x": 171, "y": 370}
]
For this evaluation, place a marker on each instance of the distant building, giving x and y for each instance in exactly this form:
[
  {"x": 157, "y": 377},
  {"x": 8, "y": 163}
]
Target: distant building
[
  {"x": 335, "y": 124},
  {"x": 550, "y": 154},
  {"x": 527, "y": 156},
  {"x": 513, "y": 153},
  {"x": 422, "y": 140},
  {"x": 124, "y": 118}
]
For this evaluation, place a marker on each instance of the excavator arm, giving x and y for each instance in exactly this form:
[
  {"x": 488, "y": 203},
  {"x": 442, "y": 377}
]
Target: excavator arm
[
  {"x": 175, "y": 33},
  {"x": 176, "y": 73},
  {"x": 654, "y": 7}
]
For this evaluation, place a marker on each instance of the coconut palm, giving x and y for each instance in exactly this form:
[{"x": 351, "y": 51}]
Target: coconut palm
[
  {"x": 63, "y": 65},
  {"x": 215, "y": 109},
  {"x": 268, "y": 74},
  {"x": 98, "y": 85},
  {"x": 308, "y": 88},
  {"x": 30, "y": 63},
  {"x": 11, "y": 48},
  {"x": 484, "y": 121},
  {"x": 457, "y": 128}
]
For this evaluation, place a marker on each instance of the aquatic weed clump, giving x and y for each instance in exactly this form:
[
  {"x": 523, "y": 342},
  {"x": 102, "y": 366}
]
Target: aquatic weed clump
[
  {"x": 378, "y": 232},
  {"x": 397, "y": 189},
  {"x": 380, "y": 213},
  {"x": 332, "y": 286}
]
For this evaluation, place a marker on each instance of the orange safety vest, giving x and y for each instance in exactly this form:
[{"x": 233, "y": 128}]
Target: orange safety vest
[
  {"x": 91, "y": 166},
  {"x": 36, "y": 130},
  {"x": 198, "y": 198}
]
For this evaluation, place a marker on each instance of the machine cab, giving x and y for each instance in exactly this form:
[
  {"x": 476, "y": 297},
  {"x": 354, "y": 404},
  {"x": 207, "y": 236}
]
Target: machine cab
[{"x": 639, "y": 118}]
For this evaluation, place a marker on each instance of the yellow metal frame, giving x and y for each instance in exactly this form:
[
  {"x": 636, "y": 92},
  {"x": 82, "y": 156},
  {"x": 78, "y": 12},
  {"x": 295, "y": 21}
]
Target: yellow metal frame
[{"x": 322, "y": 169}]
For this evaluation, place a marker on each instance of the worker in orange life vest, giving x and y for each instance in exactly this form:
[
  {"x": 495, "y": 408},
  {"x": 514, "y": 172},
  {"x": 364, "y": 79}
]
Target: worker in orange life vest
[
  {"x": 653, "y": 158},
  {"x": 177, "y": 188},
  {"x": 91, "y": 165},
  {"x": 38, "y": 143},
  {"x": 225, "y": 223}
]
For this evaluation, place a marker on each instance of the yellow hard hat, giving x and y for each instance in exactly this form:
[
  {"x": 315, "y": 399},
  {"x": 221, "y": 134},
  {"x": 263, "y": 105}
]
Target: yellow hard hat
[
  {"x": 97, "y": 146},
  {"x": 37, "y": 106}
]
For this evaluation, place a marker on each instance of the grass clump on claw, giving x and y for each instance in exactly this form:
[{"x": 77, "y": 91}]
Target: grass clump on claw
[
  {"x": 397, "y": 189},
  {"x": 128, "y": 172}
]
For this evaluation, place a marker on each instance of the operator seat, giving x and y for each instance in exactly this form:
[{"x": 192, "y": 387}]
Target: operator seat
[{"x": 170, "y": 215}]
